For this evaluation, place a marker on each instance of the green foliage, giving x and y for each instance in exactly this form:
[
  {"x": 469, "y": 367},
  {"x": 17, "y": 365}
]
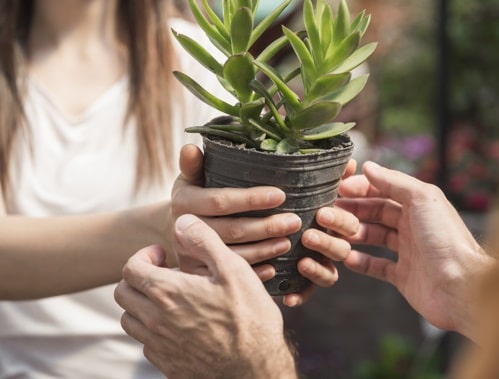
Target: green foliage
[
  {"x": 269, "y": 114},
  {"x": 399, "y": 358}
]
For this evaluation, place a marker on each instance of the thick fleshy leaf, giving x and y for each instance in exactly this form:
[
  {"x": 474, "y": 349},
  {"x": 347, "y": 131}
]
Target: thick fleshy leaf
[
  {"x": 286, "y": 147},
  {"x": 269, "y": 145},
  {"x": 312, "y": 31},
  {"x": 215, "y": 20},
  {"x": 315, "y": 115},
  {"x": 303, "y": 55},
  {"x": 327, "y": 84},
  {"x": 360, "y": 23},
  {"x": 292, "y": 98},
  {"x": 327, "y": 131},
  {"x": 241, "y": 28},
  {"x": 229, "y": 135},
  {"x": 267, "y": 129},
  {"x": 239, "y": 71},
  {"x": 341, "y": 23},
  {"x": 211, "y": 31},
  {"x": 272, "y": 49},
  {"x": 261, "y": 90},
  {"x": 336, "y": 55},
  {"x": 267, "y": 21},
  {"x": 199, "y": 53},
  {"x": 357, "y": 58},
  {"x": 326, "y": 28},
  {"x": 206, "y": 96},
  {"x": 350, "y": 91}
]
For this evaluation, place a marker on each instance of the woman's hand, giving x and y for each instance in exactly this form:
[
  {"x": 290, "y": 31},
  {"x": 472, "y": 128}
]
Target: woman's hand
[{"x": 255, "y": 239}]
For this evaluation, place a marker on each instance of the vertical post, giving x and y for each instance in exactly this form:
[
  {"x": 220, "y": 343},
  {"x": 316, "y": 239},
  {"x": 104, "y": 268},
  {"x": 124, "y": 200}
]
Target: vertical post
[{"x": 443, "y": 92}]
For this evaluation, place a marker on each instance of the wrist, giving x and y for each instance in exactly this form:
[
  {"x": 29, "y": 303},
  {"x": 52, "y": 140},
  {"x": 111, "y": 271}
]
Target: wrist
[
  {"x": 467, "y": 303},
  {"x": 276, "y": 362}
]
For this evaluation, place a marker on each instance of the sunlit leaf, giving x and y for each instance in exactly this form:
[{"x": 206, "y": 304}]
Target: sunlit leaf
[
  {"x": 350, "y": 91},
  {"x": 205, "y": 96},
  {"x": 327, "y": 131},
  {"x": 239, "y": 71},
  {"x": 199, "y": 53},
  {"x": 315, "y": 115}
]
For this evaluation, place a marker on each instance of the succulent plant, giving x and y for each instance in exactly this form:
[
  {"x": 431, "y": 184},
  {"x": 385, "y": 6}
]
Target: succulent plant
[{"x": 267, "y": 113}]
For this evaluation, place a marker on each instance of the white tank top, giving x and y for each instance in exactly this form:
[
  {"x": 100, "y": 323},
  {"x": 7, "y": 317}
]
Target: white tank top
[{"x": 82, "y": 165}]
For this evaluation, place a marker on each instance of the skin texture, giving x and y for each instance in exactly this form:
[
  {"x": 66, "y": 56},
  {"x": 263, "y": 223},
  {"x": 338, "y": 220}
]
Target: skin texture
[
  {"x": 189, "y": 197},
  {"x": 214, "y": 308},
  {"x": 205, "y": 322},
  {"x": 437, "y": 257}
]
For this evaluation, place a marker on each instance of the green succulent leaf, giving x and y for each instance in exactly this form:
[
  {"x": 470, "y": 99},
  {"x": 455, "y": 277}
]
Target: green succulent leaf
[
  {"x": 272, "y": 49},
  {"x": 239, "y": 71},
  {"x": 211, "y": 31},
  {"x": 326, "y": 84},
  {"x": 252, "y": 110},
  {"x": 357, "y": 58},
  {"x": 267, "y": 129},
  {"x": 292, "y": 98},
  {"x": 315, "y": 115},
  {"x": 361, "y": 23},
  {"x": 350, "y": 91},
  {"x": 260, "y": 89},
  {"x": 342, "y": 23},
  {"x": 229, "y": 135},
  {"x": 303, "y": 54},
  {"x": 269, "y": 145},
  {"x": 241, "y": 28},
  {"x": 326, "y": 131},
  {"x": 215, "y": 20},
  {"x": 199, "y": 53},
  {"x": 326, "y": 26},
  {"x": 336, "y": 55},
  {"x": 267, "y": 21},
  {"x": 205, "y": 96},
  {"x": 312, "y": 31},
  {"x": 286, "y": 146}
]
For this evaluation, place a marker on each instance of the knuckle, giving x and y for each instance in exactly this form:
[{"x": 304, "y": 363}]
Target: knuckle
[
  {"x": 219, "y": 203},
  {"x": 235, "y": 231}
]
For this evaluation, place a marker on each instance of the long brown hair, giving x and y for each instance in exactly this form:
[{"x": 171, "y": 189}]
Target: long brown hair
[{"x": 144, "y": 29}]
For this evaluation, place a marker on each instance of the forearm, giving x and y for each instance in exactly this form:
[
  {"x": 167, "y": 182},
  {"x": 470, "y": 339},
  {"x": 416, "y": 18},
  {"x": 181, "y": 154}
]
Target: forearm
[{"x": 42, "y": 257}]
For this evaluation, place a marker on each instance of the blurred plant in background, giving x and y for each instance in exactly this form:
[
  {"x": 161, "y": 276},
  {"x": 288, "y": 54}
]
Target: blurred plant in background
[
  {"x": 400, "y": 358},
  {"x": 406, "y": 82}
]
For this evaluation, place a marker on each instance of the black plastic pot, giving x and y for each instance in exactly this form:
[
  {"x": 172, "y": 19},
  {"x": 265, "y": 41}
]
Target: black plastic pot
[{"x": 310, "y": 182}]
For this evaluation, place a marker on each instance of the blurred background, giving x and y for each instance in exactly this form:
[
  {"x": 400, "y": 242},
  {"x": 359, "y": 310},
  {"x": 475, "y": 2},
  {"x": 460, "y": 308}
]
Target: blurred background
[{"x": 430, "y": 109}]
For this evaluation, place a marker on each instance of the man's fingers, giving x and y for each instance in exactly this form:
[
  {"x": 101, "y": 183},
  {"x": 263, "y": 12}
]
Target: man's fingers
[
  {"x": 377, "y": 235},
  {"x": 375, "y": 210},
  {"x": 375, "y": 267},
  {"x": 153, "y": 254},
  {"x": 199, "y": 242},
  {"x": 396, "y": 185}
]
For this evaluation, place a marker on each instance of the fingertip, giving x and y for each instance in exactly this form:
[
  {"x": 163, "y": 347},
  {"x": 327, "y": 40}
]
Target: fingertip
[
  {"x": 292, "y": 300},
  {"x": 185, "y": 221}
]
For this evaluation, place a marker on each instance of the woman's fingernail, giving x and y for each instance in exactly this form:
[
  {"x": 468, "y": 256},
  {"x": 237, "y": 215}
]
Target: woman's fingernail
[
  {"x": 184, "y": 221},
  {"x": 276, "y": 196}
]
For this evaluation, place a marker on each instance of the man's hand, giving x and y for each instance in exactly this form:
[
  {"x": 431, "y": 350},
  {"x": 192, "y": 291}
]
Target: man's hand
[{"x": 216, "y": 321}]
